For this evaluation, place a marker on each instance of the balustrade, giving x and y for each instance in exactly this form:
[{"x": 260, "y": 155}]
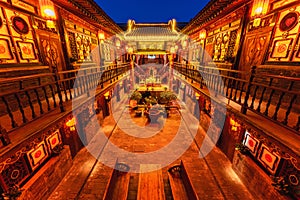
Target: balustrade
[
  {"x": 37, "y": 95},
  {"x": 272, "y": 96}
]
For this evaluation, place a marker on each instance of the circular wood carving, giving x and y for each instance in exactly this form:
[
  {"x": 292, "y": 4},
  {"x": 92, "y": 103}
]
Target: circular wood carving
[
  {"x": 289, "y": 21},
  {"x": 20, "y": 25}
]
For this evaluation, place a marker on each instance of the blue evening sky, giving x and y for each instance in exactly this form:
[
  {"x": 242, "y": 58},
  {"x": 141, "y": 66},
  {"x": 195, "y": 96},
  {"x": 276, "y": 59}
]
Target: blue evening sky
[{"x": 151, "y": 11}]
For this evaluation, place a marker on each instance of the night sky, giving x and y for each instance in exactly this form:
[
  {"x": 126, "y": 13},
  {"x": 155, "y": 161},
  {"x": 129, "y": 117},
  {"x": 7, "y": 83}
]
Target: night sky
[{"x": 151, "y": 11}]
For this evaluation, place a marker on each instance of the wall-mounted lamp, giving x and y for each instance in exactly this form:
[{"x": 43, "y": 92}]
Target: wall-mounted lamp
[
  {"x": 71, "y": 124},
  {"x": 118, "y": 43},
  {"x": 184, "y": 43},
  {"x": 48, "y": 12},
  {"x": 172, "y": 50},
  {"x": 197, "y": 95},
  {"x": 101, "y": 36},
  {"x": 259, "y": 9},
  {"x": 107, "y": 96},
  {"x": 234, "y": 125},
  {"x": 202, "y": 34}
]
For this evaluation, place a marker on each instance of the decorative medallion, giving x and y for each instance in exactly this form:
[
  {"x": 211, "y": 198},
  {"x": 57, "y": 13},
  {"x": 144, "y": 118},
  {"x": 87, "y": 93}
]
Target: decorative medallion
[
  {"x": 2, "y": 49},
  {"x": 5, "y": 49},
  {"x": 269, "y": 159},
  {"x": 27, "y": 50},
  {"x": 289, "y": 21},
  {"x": 20, "y": 25},
  {"x": 54, "y": 139},
  {"x": 293, "y": 179},
  {"x": 15, "y": 174},
  {"x": 280, "y": 49},
  {"x": 37, "y": 155},
  {"x": 251, "y": 142}
]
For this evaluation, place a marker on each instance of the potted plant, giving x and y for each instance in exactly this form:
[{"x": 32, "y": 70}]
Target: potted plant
[
  {"x": 150, "y": 100},
  {"x": 167, "y": 96},
  {"x": 135, "y": 97}
]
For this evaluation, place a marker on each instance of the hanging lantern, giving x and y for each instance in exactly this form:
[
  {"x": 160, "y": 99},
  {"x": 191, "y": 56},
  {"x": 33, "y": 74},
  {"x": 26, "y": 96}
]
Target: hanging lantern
[
  {"x": 47, "y": 9},
  {"x": 260, "y": 8}
]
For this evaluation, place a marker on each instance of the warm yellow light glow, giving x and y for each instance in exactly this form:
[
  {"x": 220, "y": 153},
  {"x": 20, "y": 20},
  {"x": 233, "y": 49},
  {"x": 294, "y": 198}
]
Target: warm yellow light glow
[
  {"x": 107, "y": 95},
  {"x": 184, "y": 44},
  {"x": 50, "y": 24},
  {"x": 260, "y": 8},
  {"x": 130, "y": 50},
  {"x": 197, "y": 95},
  {"x": 118, "y": 43},
  {"x": 101, "y": 35},
  {"x": 71, "y": 124},
  {"x": 47, "y": 9},
  {"x": 256, "y": 22},
  {"x": 234, "y": 125},
  {"x": 172, "y": 50},
  {"x": 202, "y": 34}
]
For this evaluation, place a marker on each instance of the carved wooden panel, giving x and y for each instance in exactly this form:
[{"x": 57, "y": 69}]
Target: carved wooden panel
[
  {"x": 52, "y": 53},
  {"x": 16, "y": 40},
  {"x": 208, "y": 50},
  {"x": 285, "y": 43},
  {"x": 72, "y": 45},
  {"x": 14, "y": 174},
  {"x": 253, "y": 50}
]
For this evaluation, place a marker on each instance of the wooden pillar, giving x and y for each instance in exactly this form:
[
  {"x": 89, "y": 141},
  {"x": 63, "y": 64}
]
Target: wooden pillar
[{"x": 62, "y": 34}]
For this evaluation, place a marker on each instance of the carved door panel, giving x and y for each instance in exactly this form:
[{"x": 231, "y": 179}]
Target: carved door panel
[
  {"x": 254, "y": 51},
  {"x": 52, "y": 52}
]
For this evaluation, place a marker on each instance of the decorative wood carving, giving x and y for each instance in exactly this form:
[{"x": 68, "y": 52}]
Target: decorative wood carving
[
  {"x": 17, "y": 44},
  {"x": 285, "y": 43},
  {"x": 254, "y": 50}
]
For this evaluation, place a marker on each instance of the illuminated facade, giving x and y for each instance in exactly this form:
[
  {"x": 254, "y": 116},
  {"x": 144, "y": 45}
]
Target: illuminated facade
[{"x": 239, "y": 59}]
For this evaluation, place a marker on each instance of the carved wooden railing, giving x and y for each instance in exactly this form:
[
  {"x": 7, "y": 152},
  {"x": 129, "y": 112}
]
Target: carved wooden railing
[
  {"x": 272, "y": 96},
  {"x": 45, "y": 92}
]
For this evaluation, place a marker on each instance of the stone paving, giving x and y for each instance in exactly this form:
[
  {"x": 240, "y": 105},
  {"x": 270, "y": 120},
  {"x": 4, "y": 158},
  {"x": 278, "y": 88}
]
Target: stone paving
[{"x": 212, "y": 176}]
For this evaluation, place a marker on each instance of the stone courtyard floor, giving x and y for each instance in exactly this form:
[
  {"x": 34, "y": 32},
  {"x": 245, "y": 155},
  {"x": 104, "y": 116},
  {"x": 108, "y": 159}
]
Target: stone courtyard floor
[{"x": 212, "y": 176}]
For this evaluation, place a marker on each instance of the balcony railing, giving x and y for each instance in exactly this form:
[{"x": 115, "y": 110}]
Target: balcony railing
[
  {"x": 272, "y": 96},
  {"x": 37, "y": 95}
]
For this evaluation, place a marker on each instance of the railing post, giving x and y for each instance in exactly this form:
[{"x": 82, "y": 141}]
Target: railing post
[
  {"x": 86, "y": 83},
  {"x": 56, "y": 78},
  {"x": 245, "y": 104},
  {"x": 4, "y": 136}
]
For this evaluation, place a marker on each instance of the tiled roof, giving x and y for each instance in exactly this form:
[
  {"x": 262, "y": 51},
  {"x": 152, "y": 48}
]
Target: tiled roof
[{"x": 152, "y": 33}]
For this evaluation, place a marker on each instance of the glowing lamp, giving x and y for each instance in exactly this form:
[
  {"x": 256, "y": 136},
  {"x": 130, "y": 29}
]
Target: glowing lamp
[
  {"x": 172, "y": 50},
  {"x": 130, "y": 50},
  {"x": 197, "y": 95},
  {"x": 260, "y": 8},
  {"x": 118, "y": 43},
  {"x": 107, "y": 96},
  {"x": 234, "y": 125},
  {"x": 101, "y": 36},
  {"x": 71, "y": 124},
  {"x": 47, "y": 9},
  {"x": 202, "y": 34},
  {"x": 50, "y": 24}
]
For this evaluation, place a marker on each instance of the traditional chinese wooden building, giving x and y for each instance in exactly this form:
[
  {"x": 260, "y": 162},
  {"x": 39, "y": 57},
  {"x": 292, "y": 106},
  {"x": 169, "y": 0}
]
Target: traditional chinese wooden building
[{"x": 234, "y": 70}]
